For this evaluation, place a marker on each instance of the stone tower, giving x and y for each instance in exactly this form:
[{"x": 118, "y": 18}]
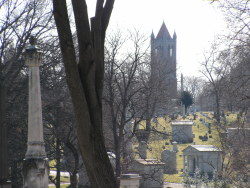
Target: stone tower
[{"x": 163, "y": 64}]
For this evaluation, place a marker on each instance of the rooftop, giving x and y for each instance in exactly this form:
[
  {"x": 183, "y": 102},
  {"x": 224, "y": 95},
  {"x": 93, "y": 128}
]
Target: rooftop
[
  {"x": 189, "y": 123},
  {"x": 239, "y": 128},
  {"x": 204, "y": 148},
  {"x": 149, "y": 162},
  {"x": 163, "y": 32}
]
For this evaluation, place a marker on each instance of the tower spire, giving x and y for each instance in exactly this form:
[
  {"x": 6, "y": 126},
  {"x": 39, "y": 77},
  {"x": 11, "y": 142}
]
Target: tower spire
[{"x": 163, "y": 32}]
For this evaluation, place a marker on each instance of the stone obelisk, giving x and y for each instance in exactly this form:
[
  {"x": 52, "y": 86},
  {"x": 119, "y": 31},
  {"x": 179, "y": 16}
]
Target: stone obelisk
[{"x": 35, "y": 170}]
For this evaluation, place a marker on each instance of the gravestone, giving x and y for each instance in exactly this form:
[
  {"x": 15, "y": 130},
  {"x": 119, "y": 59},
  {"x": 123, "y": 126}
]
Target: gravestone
[
  {"x": 169, "y": 158},
  {"x": 182, "y": 131},
  {"x": 175, "y": 147}
]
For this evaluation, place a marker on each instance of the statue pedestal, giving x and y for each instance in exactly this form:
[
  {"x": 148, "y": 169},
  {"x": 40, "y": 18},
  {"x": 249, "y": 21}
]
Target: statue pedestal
[
  {"x": 35, "y": 173},
  {"x": 142, "y": 136}
]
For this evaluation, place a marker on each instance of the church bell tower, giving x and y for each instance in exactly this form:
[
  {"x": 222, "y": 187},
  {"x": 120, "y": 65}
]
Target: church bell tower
[
  {"x": 163, "y": 67},
  {"x": 163, "y": 61}
]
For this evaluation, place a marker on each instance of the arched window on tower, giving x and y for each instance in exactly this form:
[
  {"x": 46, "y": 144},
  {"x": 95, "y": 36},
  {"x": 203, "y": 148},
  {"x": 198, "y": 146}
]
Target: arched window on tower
[
  {"x": 171, "y": 52},
  {"x": 156, "y": 52}
]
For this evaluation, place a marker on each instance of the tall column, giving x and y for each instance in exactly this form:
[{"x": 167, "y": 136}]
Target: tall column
[{"x": 35, "y": 169}]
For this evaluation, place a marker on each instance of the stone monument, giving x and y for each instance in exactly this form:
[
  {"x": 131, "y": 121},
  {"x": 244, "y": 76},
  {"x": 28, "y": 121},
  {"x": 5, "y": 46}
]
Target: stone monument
[
  {"x": 182, "y": 131},
  {"x": 169, "y": 158},
  {"x": 142, "y": 136},
  {"x": 35, "y": 170}
]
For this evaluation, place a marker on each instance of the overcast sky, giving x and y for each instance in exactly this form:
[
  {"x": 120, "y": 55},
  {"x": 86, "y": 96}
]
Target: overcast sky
[{"x": 196, "y": 23}]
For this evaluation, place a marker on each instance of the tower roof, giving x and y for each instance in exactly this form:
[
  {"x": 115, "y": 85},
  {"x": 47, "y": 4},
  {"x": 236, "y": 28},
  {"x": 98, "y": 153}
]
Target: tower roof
[{"x": 163, "y": 32}]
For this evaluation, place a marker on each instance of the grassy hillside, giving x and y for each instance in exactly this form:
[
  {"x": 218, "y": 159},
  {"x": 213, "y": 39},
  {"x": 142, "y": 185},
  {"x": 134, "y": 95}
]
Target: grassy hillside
[{"x": 157, "y": 144}]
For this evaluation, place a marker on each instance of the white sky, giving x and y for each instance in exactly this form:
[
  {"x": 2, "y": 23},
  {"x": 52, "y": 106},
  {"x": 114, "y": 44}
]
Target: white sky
[{"x": 196, "y": 23}]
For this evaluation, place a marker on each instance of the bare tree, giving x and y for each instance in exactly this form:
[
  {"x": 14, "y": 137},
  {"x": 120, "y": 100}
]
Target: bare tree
[
  {"x": 124, "y": 91},
  {"x": 194, "y": 85},
  {"x": 85, "y": 80},
  {"x": 215, "y": 72},
  {"x": 237, "y": 15}
]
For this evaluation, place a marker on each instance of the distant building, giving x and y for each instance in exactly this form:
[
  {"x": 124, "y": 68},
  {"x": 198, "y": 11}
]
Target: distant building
[
  {"x": 163, "y": 66},
  {"x": 206, "y": 158}
]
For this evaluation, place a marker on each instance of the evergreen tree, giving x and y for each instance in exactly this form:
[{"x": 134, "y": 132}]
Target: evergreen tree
[{"x": 186, "y": 99}]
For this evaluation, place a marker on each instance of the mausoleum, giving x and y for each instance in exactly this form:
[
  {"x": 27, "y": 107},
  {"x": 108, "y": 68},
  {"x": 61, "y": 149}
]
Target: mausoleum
[{"x": 207, "y": 158}]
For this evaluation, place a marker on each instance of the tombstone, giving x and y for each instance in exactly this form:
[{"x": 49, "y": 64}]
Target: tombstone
[
  {"x": 194, "y": 116},
  {"x": 182, "y": 131},
  {"x": 130, "y": 181},
  {"x": 209, "y": 128},
  {"x": 169, "y": 158},
  {"x": 142, "y": 149},
  {"x": 175, "y": 147}
]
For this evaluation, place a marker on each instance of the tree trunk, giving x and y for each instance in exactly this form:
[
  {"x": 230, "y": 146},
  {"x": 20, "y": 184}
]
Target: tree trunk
[
  {"x": 186, "y": 109},
  {"x": 85, "y": 81},
  {"x": 148, "y": 124},
  {"x": 118, "y": 156},
  {"x": 73, "y": 177},
  {"x": 3, "y": 136},
  {"x": 73, "y": 180},
  {"x": 217, "y": 99}
]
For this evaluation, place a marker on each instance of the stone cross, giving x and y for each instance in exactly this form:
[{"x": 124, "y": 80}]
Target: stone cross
[{"x": 35, "y": 169}]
